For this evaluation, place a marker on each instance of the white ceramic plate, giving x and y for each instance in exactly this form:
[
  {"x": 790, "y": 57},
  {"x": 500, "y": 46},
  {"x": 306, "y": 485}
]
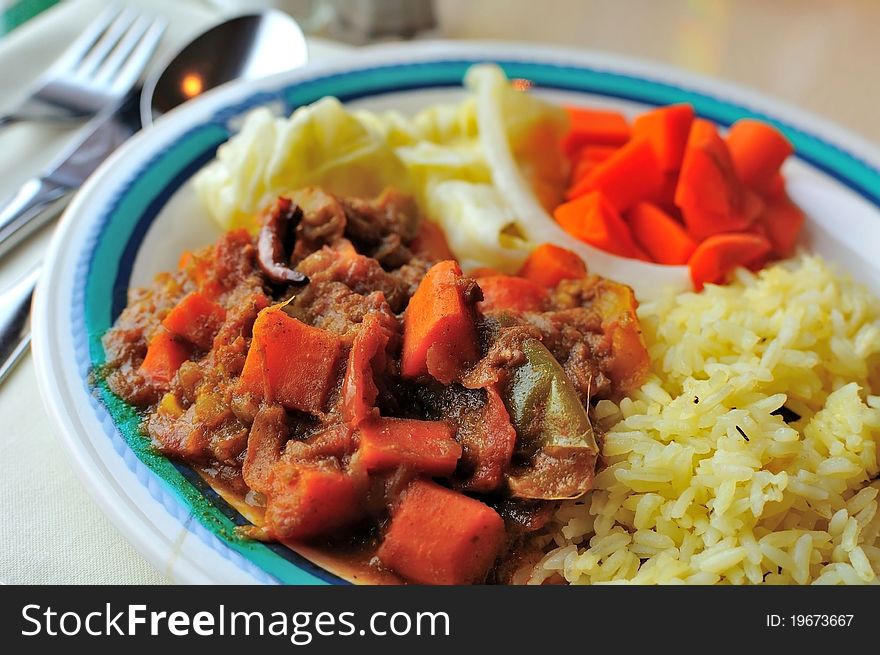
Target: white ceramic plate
[{"x": 138, "y": 213}]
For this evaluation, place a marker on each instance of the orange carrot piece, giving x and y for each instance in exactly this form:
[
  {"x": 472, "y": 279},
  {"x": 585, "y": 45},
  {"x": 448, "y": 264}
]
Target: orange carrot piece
[
  {"x": 438, "y": 536},
  {"x": 517, "y": 294},
  {"x": 664, "y": 197},
  {"x": 424, "y": 446},
  {"x": 717, "y": 256},
  {"x": 165, "y": 354},
  {"x": 631, "y": 174},
  {"x": 587, "y": 158},
  {"x": 660, "y": 235},
  {"x": 359, "y": 389},
  {"x": 196, "y": 319},
  {"x": 775, "y": 189},
  {"x": 253, "y": 376},
  {"x": 782, "y": 221},
  {"x": 629, "y": 362},
  {"x": 483, "y": 271},
  {"x": 666, "y": 129},
  {"x": 549, "y": 264},
  {"x": 594, "y": 152},
  {"x": 596, "y": 127},
  {"x": 308, "y": 501},
  {"x": 439, "y": 336},
  {"x": 290, "y": 362},
  {"x": 594, "y": 220},
  {"x": 431, "y": 243},
  {"x": 758, "y": 150},
  {"x": 709, "y": 193}
]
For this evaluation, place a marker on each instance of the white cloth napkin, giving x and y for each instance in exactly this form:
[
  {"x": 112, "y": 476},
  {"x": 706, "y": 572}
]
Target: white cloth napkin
[{"x": 52, "y": 531}]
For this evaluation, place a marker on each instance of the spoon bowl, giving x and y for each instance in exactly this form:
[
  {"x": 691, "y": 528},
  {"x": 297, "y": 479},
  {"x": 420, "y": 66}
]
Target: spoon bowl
[{"x": 243, "y": 47}]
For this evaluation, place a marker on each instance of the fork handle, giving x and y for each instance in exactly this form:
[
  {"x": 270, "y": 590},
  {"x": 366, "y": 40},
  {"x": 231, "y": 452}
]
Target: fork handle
[
  {"x": 24, "y": 212},
  {"x": 15, "y": 304}
]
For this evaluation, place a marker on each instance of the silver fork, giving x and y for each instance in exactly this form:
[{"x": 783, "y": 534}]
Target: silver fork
[
  {"x": 119, "y": 70},
  {"x": 97, "y": 70}
]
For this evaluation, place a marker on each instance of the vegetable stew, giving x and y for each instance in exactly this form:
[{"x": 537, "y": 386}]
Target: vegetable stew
[{"x": 342, "y": 376}]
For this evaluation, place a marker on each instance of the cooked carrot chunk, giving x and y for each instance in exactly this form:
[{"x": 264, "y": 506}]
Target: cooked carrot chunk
[
  {"x": 630, "y": 362},
  {"x": 757, "y": 150},
  {"x": 716, "y": 257},
  {"x": 666, "y": 129},
  {"x": 308, "y": 501},
  {"x": 587, "y": 158},
  {"x": 165, "y": 354},
  {"x": 424, "y": 446},
  {"x": 483, "y": 271},
  {"x": 196, "y": 319},
  {"x": 594, "y": 126},
  {"x": 439, "y": 336},
  {"x": 431, "y": 243},
  {"x": 776, "y": 188},
  {"x": 438, "y": 536},
  {"x": 709, "y": 193},
  {"x": 517, "y": 294},
  {"x": 629, "y": 175},
  {"x": 664, "y": 197},
  {"x": 782, "y": 221},
  {"x": 660, "y": 235},
  {"x": 594, "y": 220},
  {"x": 549, "y": 264},
  {"x": 290, "y": 362}
]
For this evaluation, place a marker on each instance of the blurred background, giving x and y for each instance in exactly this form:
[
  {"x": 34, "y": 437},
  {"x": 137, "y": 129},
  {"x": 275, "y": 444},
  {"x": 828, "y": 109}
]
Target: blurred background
[{"x": 819, "y": 54}]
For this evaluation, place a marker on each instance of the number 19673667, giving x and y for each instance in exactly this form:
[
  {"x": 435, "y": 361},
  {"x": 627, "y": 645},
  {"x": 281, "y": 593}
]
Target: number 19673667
[{"x": 809, "y": 620}]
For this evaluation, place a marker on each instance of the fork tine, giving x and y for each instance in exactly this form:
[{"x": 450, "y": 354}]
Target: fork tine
[
  {"x": 105, "y": 72},
  {"x": 132, "y": 68},
  {"x": 108, "y": 41},
  {"x": 75, "y": 52}
]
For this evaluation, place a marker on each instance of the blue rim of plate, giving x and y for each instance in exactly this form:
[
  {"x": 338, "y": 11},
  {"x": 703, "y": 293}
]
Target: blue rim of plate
[{"x": 104, "y": 269}]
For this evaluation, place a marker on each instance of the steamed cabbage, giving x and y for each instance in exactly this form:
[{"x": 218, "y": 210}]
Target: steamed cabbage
[
  {"x": 322, "y": 144},
  {"x": 438, "y": 155}
]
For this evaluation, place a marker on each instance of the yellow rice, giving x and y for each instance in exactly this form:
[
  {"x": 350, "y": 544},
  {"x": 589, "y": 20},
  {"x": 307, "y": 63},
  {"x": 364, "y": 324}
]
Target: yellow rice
[{"x": 703, "y": 483}]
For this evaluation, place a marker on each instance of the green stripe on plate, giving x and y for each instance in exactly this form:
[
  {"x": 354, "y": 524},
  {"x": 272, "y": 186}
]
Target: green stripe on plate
[{"x": 21, "y": 12}]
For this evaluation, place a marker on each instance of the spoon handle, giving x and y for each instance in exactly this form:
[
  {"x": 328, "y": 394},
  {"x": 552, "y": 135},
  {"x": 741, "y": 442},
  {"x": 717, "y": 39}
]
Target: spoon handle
[{"x": 27, "y": 210}]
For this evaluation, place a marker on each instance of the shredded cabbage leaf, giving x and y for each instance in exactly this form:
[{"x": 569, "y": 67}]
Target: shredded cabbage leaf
[{"x": 322, "y": 144}]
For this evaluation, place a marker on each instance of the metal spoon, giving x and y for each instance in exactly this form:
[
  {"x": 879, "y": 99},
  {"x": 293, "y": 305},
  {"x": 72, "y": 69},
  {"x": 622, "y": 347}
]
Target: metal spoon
[{"x": 243, "y": 47}]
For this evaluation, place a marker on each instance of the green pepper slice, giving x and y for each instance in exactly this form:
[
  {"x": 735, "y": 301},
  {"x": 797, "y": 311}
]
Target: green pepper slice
[{"x": 555, "y": 439}]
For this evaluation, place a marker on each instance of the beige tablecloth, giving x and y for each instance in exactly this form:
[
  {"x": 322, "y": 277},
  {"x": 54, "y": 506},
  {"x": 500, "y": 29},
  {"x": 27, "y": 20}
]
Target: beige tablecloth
[{"x": 819, "y": 54}]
